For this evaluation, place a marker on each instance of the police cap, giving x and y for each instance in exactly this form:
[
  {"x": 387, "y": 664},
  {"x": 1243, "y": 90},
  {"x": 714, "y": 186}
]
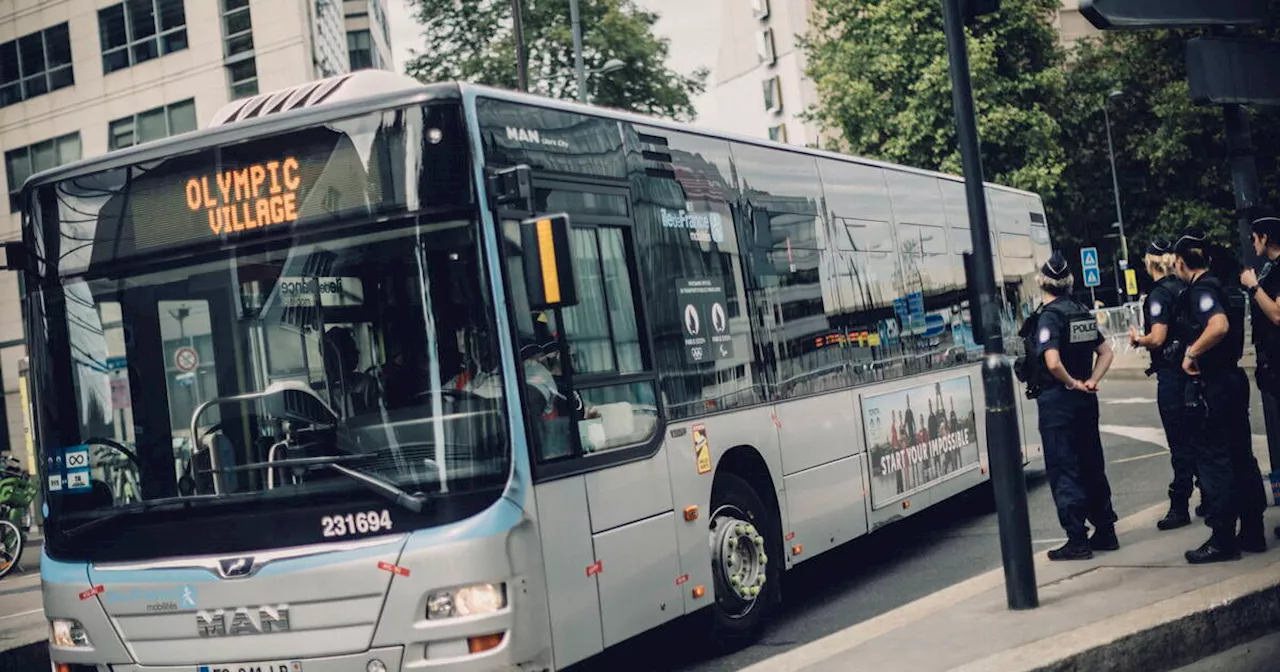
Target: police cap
[
  {"x": 1160, "y": 247},
  {"x": 1056, "y": 268},
  {"x": 1191, "y": 239},
  {"x": 1268, "y": 226}
]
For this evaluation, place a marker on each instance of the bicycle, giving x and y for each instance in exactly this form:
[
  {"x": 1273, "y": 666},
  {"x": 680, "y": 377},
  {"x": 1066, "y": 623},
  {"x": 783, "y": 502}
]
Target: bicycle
[{"x": 16, "y": 494}]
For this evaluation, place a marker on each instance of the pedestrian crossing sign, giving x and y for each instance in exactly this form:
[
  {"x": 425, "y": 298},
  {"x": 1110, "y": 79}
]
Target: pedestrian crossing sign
[
  {"x": 1092, "y": 278},
  {"x": 1089, "y": 257}
]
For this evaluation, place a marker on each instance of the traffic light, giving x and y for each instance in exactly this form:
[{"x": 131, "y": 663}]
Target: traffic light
[{"x": 1120, "y": 14}]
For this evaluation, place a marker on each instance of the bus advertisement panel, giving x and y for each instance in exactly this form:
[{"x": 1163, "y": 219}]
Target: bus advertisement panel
[{"x": 919, "y": 435}]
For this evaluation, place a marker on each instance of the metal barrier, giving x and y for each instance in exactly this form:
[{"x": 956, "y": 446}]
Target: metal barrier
[{"x": 1115, "y": 323}]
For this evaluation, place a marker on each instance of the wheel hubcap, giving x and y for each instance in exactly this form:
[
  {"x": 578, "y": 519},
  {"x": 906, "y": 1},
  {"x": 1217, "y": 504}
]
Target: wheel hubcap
[{"x": 739, "y": 556}]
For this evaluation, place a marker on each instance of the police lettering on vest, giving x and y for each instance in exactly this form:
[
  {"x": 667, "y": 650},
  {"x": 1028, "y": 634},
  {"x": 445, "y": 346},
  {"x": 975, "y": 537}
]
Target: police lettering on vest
[{"x": 1069, "y": 328}]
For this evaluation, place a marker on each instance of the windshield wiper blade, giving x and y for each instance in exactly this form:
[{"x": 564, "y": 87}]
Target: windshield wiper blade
[
  {"x": 141, "y": 507},
  {"x": 411, "y": 501}
]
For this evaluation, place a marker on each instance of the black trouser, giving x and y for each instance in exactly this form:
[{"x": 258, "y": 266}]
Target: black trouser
[
  {"x": 1229, "y": 477},
  {"x": 1171, "y": 400},
  {"x": 1074, "y": 461}
]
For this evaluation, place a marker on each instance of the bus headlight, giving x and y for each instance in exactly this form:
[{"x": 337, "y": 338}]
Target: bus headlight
[
  {"x": 67, "y": 633},
  {"x": 484, "y": 598}
]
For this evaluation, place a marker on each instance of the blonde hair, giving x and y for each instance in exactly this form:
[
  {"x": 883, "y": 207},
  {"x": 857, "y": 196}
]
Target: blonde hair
[
  {"x": 1056, "y": 287},
  {"x": 1160, "y": 262}
]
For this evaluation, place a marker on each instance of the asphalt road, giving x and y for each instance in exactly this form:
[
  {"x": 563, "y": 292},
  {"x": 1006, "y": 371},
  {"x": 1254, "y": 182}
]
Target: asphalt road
[
  {"x": 868, "y": 577},
  {"x": 923, "y": 554},
  {"x": 21, "y": 619}
]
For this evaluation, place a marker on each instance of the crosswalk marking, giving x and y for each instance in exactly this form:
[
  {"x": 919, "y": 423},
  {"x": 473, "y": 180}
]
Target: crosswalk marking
[{"x": 1130, "y": 400}]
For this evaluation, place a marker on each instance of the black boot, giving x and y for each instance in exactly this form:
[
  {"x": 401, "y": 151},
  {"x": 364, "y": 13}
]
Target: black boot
[
  {"x": 1252, "y": 537},
  {"x": 1220, "y": 547},
  {"x": 1200, "y": 510},
  {"x": 1176, "y": 517},
  {"x": 1104, "y": 539},
  {"x": 1074, "y": 549}
]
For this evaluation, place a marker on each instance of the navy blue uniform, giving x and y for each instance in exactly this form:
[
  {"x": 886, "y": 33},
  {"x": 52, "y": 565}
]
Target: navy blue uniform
[
  {"x": 1073, "y": 455},
  {"x": 1266, "y": 343},
  {"x": 1160, "y": 307},
  {"x": 1230, "y": 481}
]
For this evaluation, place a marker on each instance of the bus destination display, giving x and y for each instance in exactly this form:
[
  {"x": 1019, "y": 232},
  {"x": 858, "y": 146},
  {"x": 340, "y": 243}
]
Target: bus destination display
[{"x": 259, "y": 195}]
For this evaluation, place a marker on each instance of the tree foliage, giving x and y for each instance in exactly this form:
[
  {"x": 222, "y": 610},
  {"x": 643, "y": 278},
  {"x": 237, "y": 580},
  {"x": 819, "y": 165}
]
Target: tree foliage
[
  {"x": 881, "y": 70},
  {"x": 1171, "y": 155},
  {"x": 472, "y": 40}
]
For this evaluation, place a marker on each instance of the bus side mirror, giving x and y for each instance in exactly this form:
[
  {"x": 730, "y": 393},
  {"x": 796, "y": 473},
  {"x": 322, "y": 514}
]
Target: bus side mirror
[
  {"x": 548, "y": 264},
  {"x": 512, "y": 187},
  {"x": 13, "y": 257}
]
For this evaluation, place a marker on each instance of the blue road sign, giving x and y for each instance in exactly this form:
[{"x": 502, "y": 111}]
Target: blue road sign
[
  {"x": 1088, "y": 258},
  {"x": 1092, "y": 278}
]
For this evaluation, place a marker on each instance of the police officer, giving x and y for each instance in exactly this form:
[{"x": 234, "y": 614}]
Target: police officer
[
  {"x": 1067, "y": 338},
  {"x": 1264, "y": 287},
  {"x": 1158, "y": 312},
  {"x": 1217, "y": 406}
]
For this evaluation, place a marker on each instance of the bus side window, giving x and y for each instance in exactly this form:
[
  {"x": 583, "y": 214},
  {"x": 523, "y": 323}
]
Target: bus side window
[{"x": 605, "y": 348}]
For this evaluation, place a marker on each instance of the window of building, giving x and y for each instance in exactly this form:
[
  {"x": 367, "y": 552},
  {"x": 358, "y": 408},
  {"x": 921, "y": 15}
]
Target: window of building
[
  {"x": 760, "y": 9},
  {"x": 35, "y": 64},
  {"x": 778, "y": 133},
  {"x": 136, "y": 31},
  {"x": 237, "y": 40},
  {"x": 242, "y": 77},
  {"x": 765, "y": 47},
  {"x": 23, "y": 162},
  {"x": 360, "y": 49},
  {"x": 153, "y": 124},
  {"x": 773, "y": 94}
]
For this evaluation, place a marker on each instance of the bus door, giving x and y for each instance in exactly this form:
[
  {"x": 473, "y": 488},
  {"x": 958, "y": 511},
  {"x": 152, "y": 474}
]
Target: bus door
[{"x": 603, "y": 491}]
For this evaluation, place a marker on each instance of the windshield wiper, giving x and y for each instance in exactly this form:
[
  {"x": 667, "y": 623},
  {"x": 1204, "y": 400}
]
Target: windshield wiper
[
  {"x": 412, "y": 501},
  {"x": 141, "y": 507}
]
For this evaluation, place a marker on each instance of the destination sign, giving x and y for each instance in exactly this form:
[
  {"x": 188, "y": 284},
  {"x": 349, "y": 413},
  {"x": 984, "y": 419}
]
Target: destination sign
[{"x": 255, "y": 196}]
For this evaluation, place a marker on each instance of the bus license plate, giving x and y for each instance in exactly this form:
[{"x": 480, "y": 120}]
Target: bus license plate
[{"x": 273, "y": 666}]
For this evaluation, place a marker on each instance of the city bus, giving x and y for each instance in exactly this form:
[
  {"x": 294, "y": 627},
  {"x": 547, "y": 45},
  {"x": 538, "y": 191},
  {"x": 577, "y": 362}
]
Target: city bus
[{"x": 376, "y": 375}]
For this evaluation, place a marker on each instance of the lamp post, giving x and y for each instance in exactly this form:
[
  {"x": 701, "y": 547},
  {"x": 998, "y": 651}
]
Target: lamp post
[
  {"x": 611, "y": 65},
  {"x": 1115, "y": 180},
  {"x": 522, "y": 63}
]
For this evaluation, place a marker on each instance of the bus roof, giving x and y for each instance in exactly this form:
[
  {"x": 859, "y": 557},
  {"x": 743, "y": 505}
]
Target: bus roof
[{"x": 280, "y": 111}]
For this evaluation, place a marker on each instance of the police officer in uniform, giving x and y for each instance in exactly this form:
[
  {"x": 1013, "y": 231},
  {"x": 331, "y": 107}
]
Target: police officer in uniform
[
  {"x": 1158, "y": 312},
  {"x": 1212, "y": 324},
  {"x": 1067, "y": 338},
  {"x": 1264, "y": 288}
]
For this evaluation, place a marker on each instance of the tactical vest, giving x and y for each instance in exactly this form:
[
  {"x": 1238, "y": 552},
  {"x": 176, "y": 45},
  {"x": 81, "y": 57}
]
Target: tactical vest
[
  {"x": 1234, "y": 302},
  {"x": 1159, "y": 357},
  {"x": 1081, "y": 331}
]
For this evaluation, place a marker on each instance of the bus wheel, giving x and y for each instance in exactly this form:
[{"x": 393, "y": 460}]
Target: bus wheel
[{"x": 745, "y": 567}]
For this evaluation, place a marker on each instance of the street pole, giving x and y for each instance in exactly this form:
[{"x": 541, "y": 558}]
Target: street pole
[
  {"x": 1244, "y": 177},
  {"x": 1115, "y": 185},
  {"x": 1004, "y": 451},
  {"x": 522, "y": 59},
  {"x": 578, "y": 66}
]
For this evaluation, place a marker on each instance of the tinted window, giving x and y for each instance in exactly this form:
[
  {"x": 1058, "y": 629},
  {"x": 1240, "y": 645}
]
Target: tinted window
[{"x": 692, "y": 253}]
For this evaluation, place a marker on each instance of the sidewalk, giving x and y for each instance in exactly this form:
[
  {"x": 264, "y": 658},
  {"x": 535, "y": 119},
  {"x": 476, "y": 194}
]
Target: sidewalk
[{"x": 1139, "y": 608}]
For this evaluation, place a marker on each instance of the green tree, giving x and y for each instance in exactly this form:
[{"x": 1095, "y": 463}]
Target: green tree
[
  {"x": 472, "y": 40},
  {"x": 881, "y": 71},
  {"x": 1171, "y": 155}
]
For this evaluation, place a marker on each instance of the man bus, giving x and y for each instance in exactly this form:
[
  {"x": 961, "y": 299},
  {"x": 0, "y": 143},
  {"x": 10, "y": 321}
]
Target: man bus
[{"x": 744, "y": 322}]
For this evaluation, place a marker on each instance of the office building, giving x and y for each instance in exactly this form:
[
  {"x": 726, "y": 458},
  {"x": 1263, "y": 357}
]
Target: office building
[
  {"x": 758, "y": 85},
  {"x": 79, "y": 78}
]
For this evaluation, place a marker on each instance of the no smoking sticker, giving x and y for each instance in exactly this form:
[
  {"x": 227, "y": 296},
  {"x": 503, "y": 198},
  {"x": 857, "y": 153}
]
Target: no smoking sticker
[{"x": 186, "y": 359}]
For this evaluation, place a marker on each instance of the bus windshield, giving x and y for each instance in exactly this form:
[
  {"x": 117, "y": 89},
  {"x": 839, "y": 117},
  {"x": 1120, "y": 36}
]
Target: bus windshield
[{"x": 308, "y": 377}]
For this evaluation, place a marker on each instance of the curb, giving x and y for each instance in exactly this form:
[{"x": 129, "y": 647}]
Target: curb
[{"x": 1163, "y": 636}]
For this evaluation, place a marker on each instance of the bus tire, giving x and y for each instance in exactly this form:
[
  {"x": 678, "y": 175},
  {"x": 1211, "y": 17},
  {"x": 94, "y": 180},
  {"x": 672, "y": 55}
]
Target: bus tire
[{"x": 746, "y": 563}]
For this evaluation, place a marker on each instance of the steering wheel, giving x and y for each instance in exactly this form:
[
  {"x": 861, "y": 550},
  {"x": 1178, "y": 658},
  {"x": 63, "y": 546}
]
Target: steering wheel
[{"x": 99, "y": 441}]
